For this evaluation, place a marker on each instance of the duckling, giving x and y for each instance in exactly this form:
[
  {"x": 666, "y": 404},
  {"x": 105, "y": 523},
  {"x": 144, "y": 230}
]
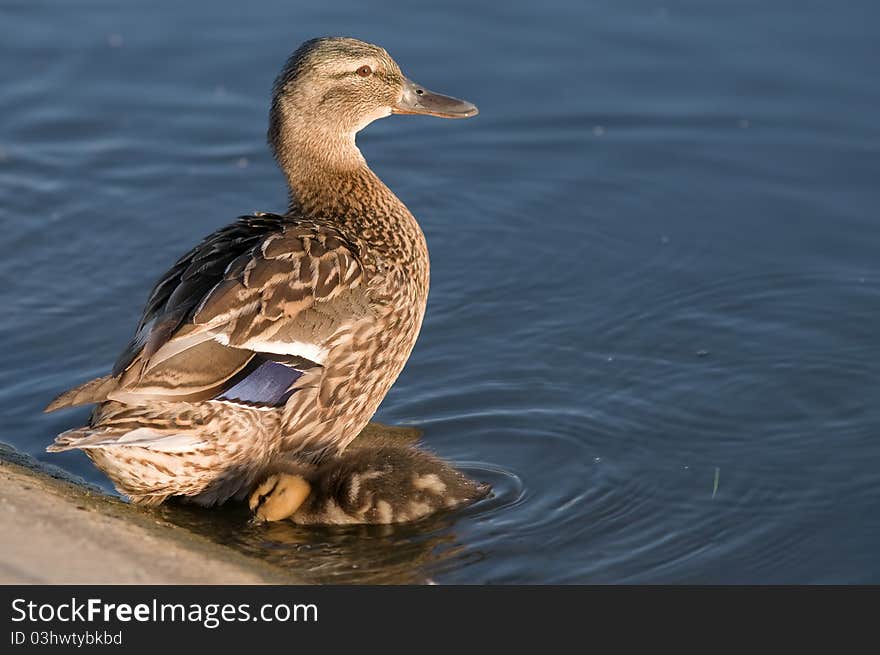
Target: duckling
[
  {"x": 376, "y": 481},
  {"x": 277, "y": 336}
]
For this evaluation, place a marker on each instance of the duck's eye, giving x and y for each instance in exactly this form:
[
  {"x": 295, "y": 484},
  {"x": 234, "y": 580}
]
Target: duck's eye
[{"x": 364, "y": 71}]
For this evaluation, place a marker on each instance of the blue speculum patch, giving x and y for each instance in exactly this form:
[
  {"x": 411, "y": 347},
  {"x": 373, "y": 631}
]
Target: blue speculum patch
[{"x": 267, "y": 384}]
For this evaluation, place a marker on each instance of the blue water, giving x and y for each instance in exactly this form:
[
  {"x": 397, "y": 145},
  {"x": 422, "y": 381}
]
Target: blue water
[{"x": 655, "y": 272}]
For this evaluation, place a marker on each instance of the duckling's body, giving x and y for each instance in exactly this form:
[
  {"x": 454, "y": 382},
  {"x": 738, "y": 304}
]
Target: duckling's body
[
  {"x": 376, "y": 481},
  {"x": 277, "y": 337}
]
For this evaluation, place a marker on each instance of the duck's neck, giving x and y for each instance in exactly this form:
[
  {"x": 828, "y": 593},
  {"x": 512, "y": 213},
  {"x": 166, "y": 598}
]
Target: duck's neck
[
  {"x": 306, "y": 156},
  {"x": 328, "y": 177}
]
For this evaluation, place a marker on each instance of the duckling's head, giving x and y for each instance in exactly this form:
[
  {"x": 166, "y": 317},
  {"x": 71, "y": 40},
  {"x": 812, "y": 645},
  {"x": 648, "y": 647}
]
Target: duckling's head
[{"x": 333, "y": 87}]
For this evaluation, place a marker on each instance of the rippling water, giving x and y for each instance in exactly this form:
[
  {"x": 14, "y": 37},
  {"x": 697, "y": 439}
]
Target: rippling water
[{"x": 656, "y": 282}]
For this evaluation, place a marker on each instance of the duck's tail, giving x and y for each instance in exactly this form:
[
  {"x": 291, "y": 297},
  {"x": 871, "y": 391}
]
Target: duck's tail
[
  {"x": 89, "y": 438},
  {"x": 93, "y": 391},
  {"x": 68, "y": 440},
  {"x": 84, "y": 438}
]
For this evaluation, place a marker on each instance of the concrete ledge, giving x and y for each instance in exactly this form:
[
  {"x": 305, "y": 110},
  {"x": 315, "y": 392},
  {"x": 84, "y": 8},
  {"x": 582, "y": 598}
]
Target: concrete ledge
[{"x": 55, "y": 531}]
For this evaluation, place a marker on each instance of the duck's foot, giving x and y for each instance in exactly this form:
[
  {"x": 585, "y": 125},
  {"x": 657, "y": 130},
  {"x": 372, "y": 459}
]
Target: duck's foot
[{"x": 279, "y": 496}]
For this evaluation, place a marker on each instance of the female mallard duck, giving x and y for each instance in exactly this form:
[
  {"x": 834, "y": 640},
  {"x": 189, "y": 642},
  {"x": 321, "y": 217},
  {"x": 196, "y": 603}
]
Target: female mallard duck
[
  {"x": 378, "y": 479},
  {"x": 278, "y": 336}
]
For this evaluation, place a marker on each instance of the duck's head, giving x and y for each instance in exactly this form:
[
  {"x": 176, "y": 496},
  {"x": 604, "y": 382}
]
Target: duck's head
[{"x": 333, "y": 87}]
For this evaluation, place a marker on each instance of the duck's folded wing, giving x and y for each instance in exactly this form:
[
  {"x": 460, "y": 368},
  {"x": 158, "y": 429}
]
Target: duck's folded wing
[
  {"x": 244, "y": 314},
  {"x": 174, "y": 297}
]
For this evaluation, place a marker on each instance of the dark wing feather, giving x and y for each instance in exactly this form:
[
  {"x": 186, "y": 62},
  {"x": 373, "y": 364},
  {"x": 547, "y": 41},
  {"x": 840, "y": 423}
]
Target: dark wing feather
[{"x": 176, "y": 295}]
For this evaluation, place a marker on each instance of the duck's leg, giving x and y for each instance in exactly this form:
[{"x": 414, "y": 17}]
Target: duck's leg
[{"x": 279, "y": 496}]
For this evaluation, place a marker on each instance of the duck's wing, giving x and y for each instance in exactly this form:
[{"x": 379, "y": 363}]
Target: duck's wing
[
  {"x": 175, "y": 296},
  {"x": 243, "y": 314}
]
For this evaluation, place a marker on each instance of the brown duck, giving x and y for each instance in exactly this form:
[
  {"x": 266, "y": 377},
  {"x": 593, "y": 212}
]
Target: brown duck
[{"x": 276, "y": 337}]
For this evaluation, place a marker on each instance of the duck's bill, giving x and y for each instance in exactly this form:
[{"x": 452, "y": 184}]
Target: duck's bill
[{"x": 418, "y": 100}]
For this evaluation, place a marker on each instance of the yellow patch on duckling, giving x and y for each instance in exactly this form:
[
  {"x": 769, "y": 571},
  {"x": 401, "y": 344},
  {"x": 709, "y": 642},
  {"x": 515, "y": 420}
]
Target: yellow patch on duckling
[
  {"x": 384, "y": 512},
  {"x": 331, "y": 514},
  {"x": 354, "y": 484},
  {"x": 429, "y": 482},
  {"x": 419, "y": 510},
  {"x": 279, "y": 497}
]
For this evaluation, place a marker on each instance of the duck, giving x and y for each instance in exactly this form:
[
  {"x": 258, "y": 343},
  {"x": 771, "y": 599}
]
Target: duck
[
  {"x": 378, "y": 480},
  {"x": 276, "y": 337}
]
